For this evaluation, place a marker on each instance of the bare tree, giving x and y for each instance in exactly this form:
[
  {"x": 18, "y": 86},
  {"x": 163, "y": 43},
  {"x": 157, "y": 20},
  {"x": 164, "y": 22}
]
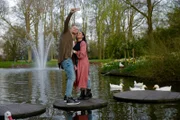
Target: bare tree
[
  {"x": 3, "y": 8},
  {"x": 150, "y": 4}
]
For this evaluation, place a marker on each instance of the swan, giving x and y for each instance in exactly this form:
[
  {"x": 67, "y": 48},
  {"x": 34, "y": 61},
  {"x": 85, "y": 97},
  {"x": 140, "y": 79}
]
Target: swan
[
  {"x": 165, "y": 88},
  {"x": 113, "y": 89},
  {"x": 7, "y": 116},
  {"x": 116, "y": 87},
  {"x": 136, "y": 88},
  {"x": 121, "y": 65},
  {"x": 139, "y": 85}
]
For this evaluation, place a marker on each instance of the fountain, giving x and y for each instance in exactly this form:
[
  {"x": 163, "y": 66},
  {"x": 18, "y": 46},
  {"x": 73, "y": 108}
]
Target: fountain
[
  {"x": 42, "y": 49},
  {"x": 34, "y": 86}
]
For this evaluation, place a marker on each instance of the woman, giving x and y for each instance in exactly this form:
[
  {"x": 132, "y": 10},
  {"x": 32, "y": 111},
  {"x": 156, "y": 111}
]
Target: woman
[{"x": 81, "y": 62}]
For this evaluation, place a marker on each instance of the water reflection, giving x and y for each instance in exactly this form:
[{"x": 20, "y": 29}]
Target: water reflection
[
  {"x": 3, "y": 90},
  {"x": 130, "y": 111},
  {"x": 40, "y": 86},
  {"x": 80, "y": 115},
  {"x": 45, "y": 86}
]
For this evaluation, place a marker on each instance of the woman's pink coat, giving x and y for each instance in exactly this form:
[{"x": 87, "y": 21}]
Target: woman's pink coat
[{"x": 82, "y": 67}]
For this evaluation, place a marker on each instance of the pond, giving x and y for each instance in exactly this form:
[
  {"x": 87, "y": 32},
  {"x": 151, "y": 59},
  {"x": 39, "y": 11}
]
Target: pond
[{"x": 45, "y": 86}]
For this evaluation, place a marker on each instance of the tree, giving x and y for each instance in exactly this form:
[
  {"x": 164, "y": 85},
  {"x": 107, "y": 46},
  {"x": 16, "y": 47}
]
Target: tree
[
  {"x": 3, "y": 9},
  {"x": 15, "y": 45},
  {"x": 148, "y": 14}
]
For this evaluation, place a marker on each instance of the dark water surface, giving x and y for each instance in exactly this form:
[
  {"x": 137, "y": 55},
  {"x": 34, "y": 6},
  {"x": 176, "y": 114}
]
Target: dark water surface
[{"x": 45, "y": 86}]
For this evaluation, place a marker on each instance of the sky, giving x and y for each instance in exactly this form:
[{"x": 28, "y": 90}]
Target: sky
[
  {"x": 11, "y": 3},
  {"x": 2, "y": 31}
]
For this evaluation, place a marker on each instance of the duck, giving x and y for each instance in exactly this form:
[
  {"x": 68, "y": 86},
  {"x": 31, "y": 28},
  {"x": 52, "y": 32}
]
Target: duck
[
  {"x": 8, "y": 116},
  {"x": 139, "y": 85},
  {"x": 116, "y": 87},
  {"x": 121, "y": 65},
  {"x": 137, "y": 88},
  {"x": 165, "y": 88}
]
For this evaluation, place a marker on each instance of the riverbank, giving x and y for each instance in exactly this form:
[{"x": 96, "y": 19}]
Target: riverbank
[
  {"x": 144, "y": 70},
  {"x": 51, "y": 63}
]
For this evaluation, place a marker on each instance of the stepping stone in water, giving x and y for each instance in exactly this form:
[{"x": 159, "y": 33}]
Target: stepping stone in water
[
  {"x": 21, "y": 110},
  {"x": 147, "y": 96},
  {"x": 93, "y": 103}
]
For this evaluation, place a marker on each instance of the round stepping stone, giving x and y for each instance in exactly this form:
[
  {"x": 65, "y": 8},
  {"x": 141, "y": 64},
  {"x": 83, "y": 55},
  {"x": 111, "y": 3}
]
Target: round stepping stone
[
  {"x": 89, "y": 104},
  {"x": 21, "y": 110},
  {"x": 147, "y": 96}
]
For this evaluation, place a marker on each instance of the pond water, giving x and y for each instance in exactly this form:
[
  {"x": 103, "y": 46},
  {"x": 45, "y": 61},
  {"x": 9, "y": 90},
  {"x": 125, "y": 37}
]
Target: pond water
[{"x": 45, "y": 86}]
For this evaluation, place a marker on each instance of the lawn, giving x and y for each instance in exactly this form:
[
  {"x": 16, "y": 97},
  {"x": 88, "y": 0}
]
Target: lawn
[{"x": 51, "y": 63}]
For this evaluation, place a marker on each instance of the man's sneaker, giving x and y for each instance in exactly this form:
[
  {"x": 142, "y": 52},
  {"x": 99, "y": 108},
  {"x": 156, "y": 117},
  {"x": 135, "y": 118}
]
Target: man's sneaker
[
  {"x": 72, "y": 101},
  {"x": 65, "y": 98}
]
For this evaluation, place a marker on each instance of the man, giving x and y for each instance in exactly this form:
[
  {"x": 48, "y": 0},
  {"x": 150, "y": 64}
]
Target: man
[{"x": 65, "y": 53}]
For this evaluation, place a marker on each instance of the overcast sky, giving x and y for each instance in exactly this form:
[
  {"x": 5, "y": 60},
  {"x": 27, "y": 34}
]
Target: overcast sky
[{"x": 11, "y": 2}]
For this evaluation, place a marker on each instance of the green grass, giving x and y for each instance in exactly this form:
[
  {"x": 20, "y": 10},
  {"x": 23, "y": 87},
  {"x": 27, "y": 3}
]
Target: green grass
[
  {"x": 11, "y": 64},
  {"x": 99, "y": 61},
  {"x": 52, "y": 63}
]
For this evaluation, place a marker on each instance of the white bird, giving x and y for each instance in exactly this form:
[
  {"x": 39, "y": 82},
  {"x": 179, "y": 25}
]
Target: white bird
[
  {"x": 136, "y": 88},
  {"x": 7, "y": 116},
  {"x": 121, "y": 65},
  {"x": 139, "y": 85},
  {"x": 116, "y": 87},
  {"x": 165, "y": 88}
]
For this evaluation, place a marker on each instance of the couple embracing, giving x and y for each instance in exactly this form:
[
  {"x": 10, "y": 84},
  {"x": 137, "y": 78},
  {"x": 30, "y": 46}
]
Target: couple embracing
[{"x": 73, "y": 59}]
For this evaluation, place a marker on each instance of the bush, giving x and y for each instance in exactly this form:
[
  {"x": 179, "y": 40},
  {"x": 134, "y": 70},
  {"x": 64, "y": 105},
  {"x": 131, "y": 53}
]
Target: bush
[{"x": 106, "y": 67}]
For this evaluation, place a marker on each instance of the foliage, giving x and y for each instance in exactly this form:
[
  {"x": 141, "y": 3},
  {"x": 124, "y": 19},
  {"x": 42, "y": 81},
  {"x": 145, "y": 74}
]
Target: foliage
[
  {"x": 139, "y": 45},
  {"x": 114, "y": 64},
  {"x": 93, "y": 50},
  {"x": 162, "y": 68},
  {"x": 163, "y": 56},
  {"x": 106, "y": 67},
  {"x": 14, "y": 47},
  {"x": 139, "y": 69},
  {"x": 99, "y": 61},
  {"x": 114, "y": 46},
  {"x": 167, "y": 68},
  {"x": 173, "y": 18}
]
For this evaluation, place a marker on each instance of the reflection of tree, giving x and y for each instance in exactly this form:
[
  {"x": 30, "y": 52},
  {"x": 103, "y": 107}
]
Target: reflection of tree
[
  {"x": 166, "y": 111},
  {"x": 94, "y": 77},
  {"x": 134, "y": 111},
  {"x": 3, "y": 92}
]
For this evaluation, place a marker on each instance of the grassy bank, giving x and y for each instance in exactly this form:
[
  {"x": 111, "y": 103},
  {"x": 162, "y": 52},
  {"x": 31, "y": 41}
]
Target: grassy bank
[
  {"x": 157, "y": 68},
  {"x": 52, "y": 63},
  {"x": 24, "y": 64},
  {"x": 17, "y": 64}
]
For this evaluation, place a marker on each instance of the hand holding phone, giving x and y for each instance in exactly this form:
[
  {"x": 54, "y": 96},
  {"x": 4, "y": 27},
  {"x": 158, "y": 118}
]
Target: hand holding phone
[{"x": 73, "y": 10}]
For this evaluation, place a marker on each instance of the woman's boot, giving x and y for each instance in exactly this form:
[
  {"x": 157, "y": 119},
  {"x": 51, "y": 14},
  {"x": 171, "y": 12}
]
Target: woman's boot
[
  {"x": 88, "y": 94},
  {"x": 82, "y": 95}
]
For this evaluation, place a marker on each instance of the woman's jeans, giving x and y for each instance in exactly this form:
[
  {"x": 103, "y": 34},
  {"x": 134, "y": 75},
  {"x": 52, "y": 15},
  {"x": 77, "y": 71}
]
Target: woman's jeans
[
  {"x": 69, "y": 69},
  {"x": 89, "y": 83}
]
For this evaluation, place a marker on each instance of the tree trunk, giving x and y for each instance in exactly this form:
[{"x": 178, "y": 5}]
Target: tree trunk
[
  {"x": 149, "y": 19},
  {"x": 27, "y": 21},
  {"x": 51, "y": 28}
]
